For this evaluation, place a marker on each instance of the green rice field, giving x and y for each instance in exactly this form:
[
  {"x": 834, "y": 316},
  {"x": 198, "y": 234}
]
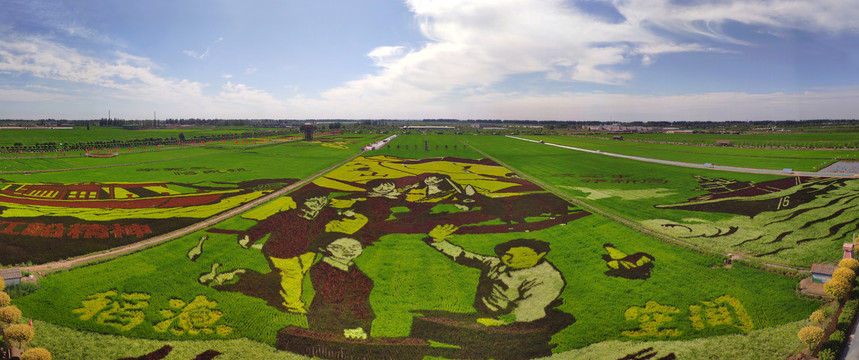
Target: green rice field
[{"x": 639, "y": 248}]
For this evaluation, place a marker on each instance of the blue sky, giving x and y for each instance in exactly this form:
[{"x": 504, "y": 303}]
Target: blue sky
[{"x": 621, "y": 60}]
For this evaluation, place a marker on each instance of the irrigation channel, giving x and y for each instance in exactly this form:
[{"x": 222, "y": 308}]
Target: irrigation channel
[{"x": 702, "y": 166}]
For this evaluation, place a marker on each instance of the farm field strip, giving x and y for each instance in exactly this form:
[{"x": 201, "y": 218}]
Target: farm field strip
[
  {"x": 97, "y": 133},
  {"x": 778, "y": 220},
  {"x": 800, "y": 159},
  {"x": 231, "y": 288},
  {"x": 155, "y": 240},
  {"x": 796, "y": 139},
  {"x": 33, "y": 164},
  {"x": 698, "y": 166}
]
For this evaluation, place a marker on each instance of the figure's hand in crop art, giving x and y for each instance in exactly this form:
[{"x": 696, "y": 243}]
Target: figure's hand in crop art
[{"x": 442, "y": 232}]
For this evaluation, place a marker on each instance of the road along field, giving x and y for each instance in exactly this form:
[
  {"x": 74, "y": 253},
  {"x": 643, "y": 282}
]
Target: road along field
[{"x": 398, "y": 254}]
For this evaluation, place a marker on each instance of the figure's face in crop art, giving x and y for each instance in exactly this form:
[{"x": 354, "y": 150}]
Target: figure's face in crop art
[
  {"x": 317, "y": 203},
  {"x": 385, "y": 188},
  {"x": 345, "y": 249},
  {"x": 521, "y": 257}
]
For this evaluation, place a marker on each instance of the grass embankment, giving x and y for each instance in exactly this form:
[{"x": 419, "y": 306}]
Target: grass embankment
[
  {"x": 777, "y": 159},
  {"x": 796, "y": 226}
]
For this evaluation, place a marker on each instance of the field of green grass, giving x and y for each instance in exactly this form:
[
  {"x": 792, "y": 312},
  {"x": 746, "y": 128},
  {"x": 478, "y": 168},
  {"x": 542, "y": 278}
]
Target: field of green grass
[
  {"x": 690, "y": 304},
  {"x": 778, "y": 159},
  {"x": 815, "y": 139},
  {"x": 789, "y": 233},
  {"x": 80, "y": 134},
  {"x": 193, "y": 164}
]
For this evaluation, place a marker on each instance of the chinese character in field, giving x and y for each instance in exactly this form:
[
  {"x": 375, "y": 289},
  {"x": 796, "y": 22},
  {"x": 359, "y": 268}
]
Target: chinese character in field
[
  {"x": 193, "y": 318},
  {"x": 122, "y": 311},
  {"x": 651, "y": 319},
  {"x": 726, "y": 310}
]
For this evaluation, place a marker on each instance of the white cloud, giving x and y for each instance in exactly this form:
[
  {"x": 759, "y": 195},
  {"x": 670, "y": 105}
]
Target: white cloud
[
  {"x": 204, "y": 54},
  {"x": 386, "y": 55},
  {"x": 251, "y": 70},
  {"x": 476, "y": 44},
  {"x": 20, "y": 95},
  {"x": 128, "y": 76}
]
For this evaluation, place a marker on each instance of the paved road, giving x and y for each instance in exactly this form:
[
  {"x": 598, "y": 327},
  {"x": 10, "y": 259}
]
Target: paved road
[{"x": 700, "y": 166}]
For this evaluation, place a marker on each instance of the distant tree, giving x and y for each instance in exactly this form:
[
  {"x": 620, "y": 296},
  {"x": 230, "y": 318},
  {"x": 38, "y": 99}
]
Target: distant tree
[
  {"x": 849, "y": 263},
  {"x": 845, "y": 274},
  {"x": 837, "y": 288},
  {"x": 19, "y": 334},
  {"x": 817, "y": 317},
  {"x": 181, "y": 136},
  {"x": 9, "y": 315},
  {"x": 36, "y": 354},
  {"x": 810, "y": 335}
]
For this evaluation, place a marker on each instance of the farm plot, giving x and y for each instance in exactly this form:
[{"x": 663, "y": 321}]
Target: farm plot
[
  {"x": 789, "y": 220},
  {"x": 387, "y": 251},
  {"x": 727, "y": 156},
  {"x": 808, "y": 139},
  {"x": 52, "y": 216}
]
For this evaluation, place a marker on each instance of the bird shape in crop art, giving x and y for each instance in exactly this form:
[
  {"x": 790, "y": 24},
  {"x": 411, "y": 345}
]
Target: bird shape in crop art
[{"x": 635, "y": 266}]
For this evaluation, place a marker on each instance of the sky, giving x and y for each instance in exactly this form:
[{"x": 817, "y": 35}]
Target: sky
[{"x": 577, "y": 60}]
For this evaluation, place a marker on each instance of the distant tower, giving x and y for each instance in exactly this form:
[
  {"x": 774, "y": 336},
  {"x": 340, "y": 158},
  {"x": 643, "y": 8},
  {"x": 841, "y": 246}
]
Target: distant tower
[
  {"x": 848, "y": 248},
  {"x": 307, "y": 129}
]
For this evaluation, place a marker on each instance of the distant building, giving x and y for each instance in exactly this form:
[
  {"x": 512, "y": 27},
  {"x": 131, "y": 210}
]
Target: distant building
[
  {"x": 821, "y": 273},
  {"x": 11, "y": 277},
  {"x": 427, "y": 127}
]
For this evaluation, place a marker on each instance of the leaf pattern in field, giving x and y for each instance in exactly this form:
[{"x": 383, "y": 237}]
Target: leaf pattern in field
[{"x": 810, "y": 215}]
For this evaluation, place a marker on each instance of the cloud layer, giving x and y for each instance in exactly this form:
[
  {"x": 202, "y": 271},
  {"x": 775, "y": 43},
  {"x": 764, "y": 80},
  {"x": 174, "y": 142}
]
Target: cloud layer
[{"x": 472, "y": 47}]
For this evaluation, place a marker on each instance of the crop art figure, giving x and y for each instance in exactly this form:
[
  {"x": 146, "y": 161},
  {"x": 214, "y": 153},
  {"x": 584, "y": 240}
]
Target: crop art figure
[
  {"x": 517, "y": 293},
  {"x": 287, "y": 247},
  {"x": 516, "y": 286}
]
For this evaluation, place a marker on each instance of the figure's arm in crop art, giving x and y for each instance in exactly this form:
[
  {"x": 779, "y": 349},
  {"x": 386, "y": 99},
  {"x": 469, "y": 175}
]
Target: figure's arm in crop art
[
  {"x": 438, "y": 237},
  {"x": 270, "y": 216}
]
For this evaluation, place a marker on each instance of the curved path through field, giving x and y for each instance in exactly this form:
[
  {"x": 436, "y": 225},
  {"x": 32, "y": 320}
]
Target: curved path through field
[
  {"x": 788, "y": 172},
  {"x": 47, "y": 268}
]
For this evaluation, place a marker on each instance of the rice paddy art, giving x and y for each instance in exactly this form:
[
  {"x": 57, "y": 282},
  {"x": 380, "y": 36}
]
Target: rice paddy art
[
  {"x": 41, "y": 222},
  {"x": 771, "y": 218},
  {"x": 319, "y": 230}
]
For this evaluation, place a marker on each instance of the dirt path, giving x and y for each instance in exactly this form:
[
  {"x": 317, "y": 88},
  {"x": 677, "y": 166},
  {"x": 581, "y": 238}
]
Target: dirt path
[{"x": 47, "y": 268}]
